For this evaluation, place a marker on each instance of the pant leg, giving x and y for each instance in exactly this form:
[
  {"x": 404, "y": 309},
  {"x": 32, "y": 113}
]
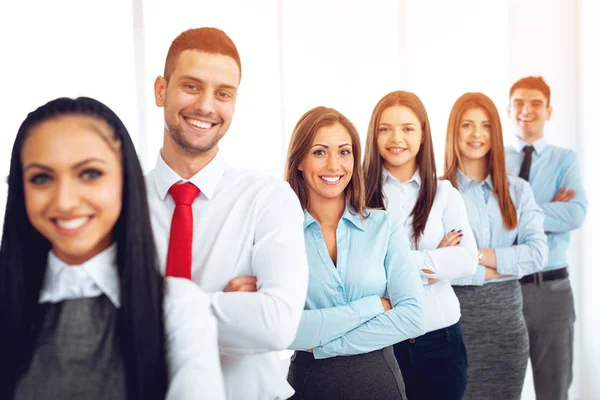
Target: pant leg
[
  {"x": 550, "y": 316},
  {"x": 434, "y": 366}
]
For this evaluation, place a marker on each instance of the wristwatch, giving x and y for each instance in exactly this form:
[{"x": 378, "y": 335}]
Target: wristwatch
[{"x": 479, "y": 255}]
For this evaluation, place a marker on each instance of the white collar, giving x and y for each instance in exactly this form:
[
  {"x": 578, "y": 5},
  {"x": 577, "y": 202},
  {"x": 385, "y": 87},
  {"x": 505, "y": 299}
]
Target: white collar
[
  {"x": 416, "y": 177},
  {"x": 64, "y": 281},
  {"x": 207, "y": 179}
]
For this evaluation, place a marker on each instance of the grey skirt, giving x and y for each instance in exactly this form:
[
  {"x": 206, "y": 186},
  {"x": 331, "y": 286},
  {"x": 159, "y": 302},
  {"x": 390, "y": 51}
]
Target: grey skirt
[
  {"x": 496, "y": 339},
  {"x": 374, "y": 375}
]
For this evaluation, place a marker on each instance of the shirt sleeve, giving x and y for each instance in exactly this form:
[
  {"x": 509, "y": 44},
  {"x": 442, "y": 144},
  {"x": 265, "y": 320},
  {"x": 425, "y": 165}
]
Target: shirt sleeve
[
  {"x": 477, "y": 279},
  {"x": 191, "y": 340},
  {"x": 453, "y": 262},
  {"x": 567, "y": 216},
  {"x": 318, "y": 327},
  {"x": 406, "y": 319},
  {"x": 530, "y": 255},
  {"x": 267, "y": 320}
]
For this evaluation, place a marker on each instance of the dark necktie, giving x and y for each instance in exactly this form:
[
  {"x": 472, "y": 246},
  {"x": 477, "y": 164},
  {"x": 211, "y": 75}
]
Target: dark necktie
[
  {"x": 179, "y": 256},
  {"x": 526, "y": 165}
]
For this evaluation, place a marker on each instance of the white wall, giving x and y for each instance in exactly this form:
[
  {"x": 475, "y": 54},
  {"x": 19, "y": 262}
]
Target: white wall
[
  {"x": 340, "y": 53},
  {"x": 588, "y": 85}
]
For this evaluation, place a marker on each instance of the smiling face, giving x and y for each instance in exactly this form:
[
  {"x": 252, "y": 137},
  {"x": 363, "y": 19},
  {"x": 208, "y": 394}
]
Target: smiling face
[
  {"x": 399, "y": 138},
  {"x": 328, "y": 166},
  {"x": 73, "y": 183},
  {"x": 198, "y": 100},
  {"x": 474, "y": 134},
  {"x": 529, "y": 111}
]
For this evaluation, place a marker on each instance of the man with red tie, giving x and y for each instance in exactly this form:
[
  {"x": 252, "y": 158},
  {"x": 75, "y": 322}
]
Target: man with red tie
[{"x": 236, "y": 233}]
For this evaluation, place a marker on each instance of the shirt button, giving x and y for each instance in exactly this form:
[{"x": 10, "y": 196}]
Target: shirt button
[
  {"x": 411, "y": 340},
  {"x": 340, "y": 289}
]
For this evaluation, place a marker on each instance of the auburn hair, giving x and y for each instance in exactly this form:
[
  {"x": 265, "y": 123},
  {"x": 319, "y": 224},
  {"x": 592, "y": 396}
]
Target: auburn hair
[
  {"x": 495, "y": 158},
  {"x": 208, "y": 40}
]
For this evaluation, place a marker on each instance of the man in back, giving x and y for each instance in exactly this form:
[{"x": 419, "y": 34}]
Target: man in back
[
  {"x": 237, "y": 234},
  {"x": 553, "y": 173}
]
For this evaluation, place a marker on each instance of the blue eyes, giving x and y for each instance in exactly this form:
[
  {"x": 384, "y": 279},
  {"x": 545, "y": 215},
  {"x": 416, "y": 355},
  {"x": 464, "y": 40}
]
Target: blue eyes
[
  {"x": 89, "y": 174},
  {"x": 39, "y": 179}
]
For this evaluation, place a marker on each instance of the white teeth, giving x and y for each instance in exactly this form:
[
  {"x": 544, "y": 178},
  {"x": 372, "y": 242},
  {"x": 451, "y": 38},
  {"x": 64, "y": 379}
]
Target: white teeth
[
  {"x": 72, "y": 223},
  {"x": 199, "y": 124},
  {"x": 331, "y": 179},
  {"x": 396, "y": 150},
  {"x": 476, "y": 144}
]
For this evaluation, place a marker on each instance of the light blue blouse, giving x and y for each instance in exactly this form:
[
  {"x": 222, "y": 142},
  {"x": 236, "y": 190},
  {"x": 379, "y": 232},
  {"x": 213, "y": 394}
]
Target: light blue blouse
[
  {"x": 530, "y": 253},
  {"x": 343, "y": 312}
]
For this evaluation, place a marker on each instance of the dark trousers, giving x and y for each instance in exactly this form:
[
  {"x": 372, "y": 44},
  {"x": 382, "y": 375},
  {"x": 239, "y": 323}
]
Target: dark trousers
[
  {"x": 550, "y": 315},
  {"x": 434, "y": 366}
]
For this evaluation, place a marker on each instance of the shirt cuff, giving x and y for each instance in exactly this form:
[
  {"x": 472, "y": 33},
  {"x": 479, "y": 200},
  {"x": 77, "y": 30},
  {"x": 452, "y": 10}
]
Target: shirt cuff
[
  {"x": 477, "y": 279},
  {"x": 368, "y": 307},
  {"x": 506, "y": 263},
  {"x": 333, "y": 349}
]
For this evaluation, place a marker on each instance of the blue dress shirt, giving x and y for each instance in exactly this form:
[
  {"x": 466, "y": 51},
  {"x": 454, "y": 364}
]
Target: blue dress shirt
[
  {"x": 530, "y": 253},
  {"x": 343, "y": 312},
  {"x": 553, "y": 167}
]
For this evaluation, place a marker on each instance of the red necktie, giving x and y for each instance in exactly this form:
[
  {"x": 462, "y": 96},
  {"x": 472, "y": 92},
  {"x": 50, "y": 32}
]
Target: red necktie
[{"x": 179, "y": 257}]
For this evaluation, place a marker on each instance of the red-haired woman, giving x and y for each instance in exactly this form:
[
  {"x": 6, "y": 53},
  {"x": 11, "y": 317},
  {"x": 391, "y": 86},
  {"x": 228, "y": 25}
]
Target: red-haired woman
[{"x": 508, "y": 228}]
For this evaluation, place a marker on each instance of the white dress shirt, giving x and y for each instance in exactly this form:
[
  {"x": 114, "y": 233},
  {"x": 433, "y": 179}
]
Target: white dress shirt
[
  {"x": 448, "y": 212},
  {"x": 245, "y": 224},
  {"x": 190, "y": 329}
]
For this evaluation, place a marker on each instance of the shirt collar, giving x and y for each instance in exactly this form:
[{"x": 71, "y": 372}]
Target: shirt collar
[
  {"x": 464, "y": 181},
  {"x": 538, "y": 146},
  {"x": 415, "y": 179},
  {"x": 354, "y": 219},
  {"x": 207, "y": 179},
  {"x": 102, "y": 269}
]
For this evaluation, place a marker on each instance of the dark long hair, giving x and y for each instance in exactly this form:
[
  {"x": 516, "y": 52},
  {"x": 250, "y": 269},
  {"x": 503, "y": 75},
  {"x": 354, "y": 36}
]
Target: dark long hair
[
  {"x": 23, "y": 257},
  {"x": 373, "y": 163}
]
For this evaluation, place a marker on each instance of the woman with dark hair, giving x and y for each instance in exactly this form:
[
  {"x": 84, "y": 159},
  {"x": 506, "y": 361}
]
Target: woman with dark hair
[
  {"x": 509, "y": 230},
  {"x": 400, "y": 176},
  {"x": 84, "y": 311},
  {"x": 356, "y": 257}
]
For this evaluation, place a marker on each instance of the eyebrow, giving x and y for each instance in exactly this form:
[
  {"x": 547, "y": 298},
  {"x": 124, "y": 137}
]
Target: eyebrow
[
  {"x": 78, "y": 165},
  {"x": 197, "y": 80},
  {"x": 404, "y": 124},
  {"x": 324, "y": 145},
  {"x": 470, "y": 120}
]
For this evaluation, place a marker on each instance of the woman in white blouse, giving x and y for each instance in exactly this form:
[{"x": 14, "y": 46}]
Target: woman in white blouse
[
  {"x": 400, "y": 176},
  {"x": 84, "y": 311}
]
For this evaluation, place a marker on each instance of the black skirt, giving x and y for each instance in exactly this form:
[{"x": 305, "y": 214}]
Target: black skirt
[{"x": 373, "y": 375}]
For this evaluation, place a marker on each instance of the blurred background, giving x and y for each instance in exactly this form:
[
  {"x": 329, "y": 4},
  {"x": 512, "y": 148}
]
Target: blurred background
[{"x": 344, "y": 54}]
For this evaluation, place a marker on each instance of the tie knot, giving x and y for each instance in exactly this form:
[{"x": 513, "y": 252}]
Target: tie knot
[
  {"x": 528, "y": 149},
  {"x": 184, "y": 194}
]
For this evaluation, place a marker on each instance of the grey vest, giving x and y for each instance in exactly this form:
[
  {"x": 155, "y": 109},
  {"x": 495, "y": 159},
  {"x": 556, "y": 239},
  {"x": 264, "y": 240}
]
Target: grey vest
[{"x": 77, "y": 354}]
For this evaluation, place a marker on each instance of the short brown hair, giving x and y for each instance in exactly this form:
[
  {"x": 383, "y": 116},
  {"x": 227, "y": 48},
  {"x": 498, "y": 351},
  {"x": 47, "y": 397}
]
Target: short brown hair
[
  {"x": 208, "y": 40},
  {"x": 496, "y": 158},
  {"x": 300, "y": 144},
  {"x": 532, "y": 82}
]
